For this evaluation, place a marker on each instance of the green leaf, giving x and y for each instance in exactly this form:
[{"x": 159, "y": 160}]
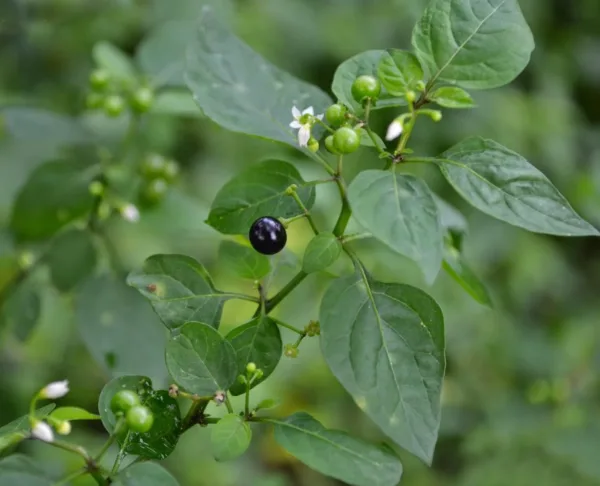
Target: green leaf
[
  {"x": 240, "y": 90},
  {"x": 21, "y": 310},
  {"x": 180, "y": 290},
  {"x": 504, "y": 185},
  {"x": 118, "y": 328},
  {"x": 55, "y": 194},
  {"x": 456, "y": 267},
  {"x": 115, "y": 61},
  {"x": 266, "y": 404},
  {"x": 22, "y": 471},
  {"x": 399, "y": 211},
  {"x": 255, "y": 192},
  {"x": 243, "y": 261},
  {"x": 144, "y": 474},
  {"x": 364, "y": 63},
  {"x": 366, "y": 141},
  {"x": 323, "y": 250},
  {"x": 200, "y": 360},
  {"x": 17, "y": 430},
  {"x": 399, "y": 71},
  {"x": 259, "y": 342},
  {"x": 73, "y": 413},
  {"x": 385, "y": 344},
  {"x": 477, "y": 44},
  {"x": 335, "y": 453},
  {"x": 176, "y": 103},
  {"x": 72, "y": 258},
  {"x": 450, "y": 217},
  {"x": 230, "y": 437},
  {"x": 451, "y": 97}
]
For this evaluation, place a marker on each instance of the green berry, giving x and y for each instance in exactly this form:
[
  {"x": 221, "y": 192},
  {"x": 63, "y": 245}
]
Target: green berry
[
  {"x": 170, "y": 171},
  {"x": 99, "y": 79},
  {"x": 313, "y": 145},
  {"x": 123, "y": 400},
  {"x": 346, "y": 140},
  {"x": 114, "y": 105},
  {"x": 251, "y": 368},
  {"x": 336, "y": 114},
  {"x": 142, "y": 99},
  {"x": 330, "y": 146},
  {"x": 94, "y": 101},
  {"x": 139, "y": 419},
  {"x": 154, "y": 191},
  {"x": 153, "y": 166},
  {"x": 290, "y": 351},
  {"x": 366, "y": 86}
]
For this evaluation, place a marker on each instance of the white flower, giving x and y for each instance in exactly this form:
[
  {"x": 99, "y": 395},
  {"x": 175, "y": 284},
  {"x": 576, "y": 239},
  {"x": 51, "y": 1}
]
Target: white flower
[
  {"x": 56, "y": 389},
  {"x": 394, "y": 130},
  {"x": 42, "y": 431},
  {"x": 303, "y": 121},
  {"x": 130, "y": 213}
]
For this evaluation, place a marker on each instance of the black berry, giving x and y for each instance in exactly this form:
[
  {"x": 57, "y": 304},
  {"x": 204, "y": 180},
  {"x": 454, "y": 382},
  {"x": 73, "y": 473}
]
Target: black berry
[{"x": 267, "y": 236}]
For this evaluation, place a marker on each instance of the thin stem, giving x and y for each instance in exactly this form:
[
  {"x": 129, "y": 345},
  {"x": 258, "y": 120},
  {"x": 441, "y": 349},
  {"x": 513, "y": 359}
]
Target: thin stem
[
  {"x": 355, "y": 236},
  {"x": 110, "y": 440},
  {"x": 346, "y": 212},
  {"x": 321, "y": 160},
  {"x": 249, "y": 298},
  {"x": 327, "y": 127},
  {"x": 283, "y": 293},
  {"x": 288, "y": 326},
  {"x": 121, "y": 454},
  {"x": 65, "y": 446},
  {"x": 247, "y": 399},
  {"x": 318, "y": 182},
  {"x": 197, "y": 407},
  {"x": 299, "y": 340},
  {"x": 407, "y": 130},
  {"x": 309, "y": 218},
  {"x": 228, "y": 404},
  {"x": 422, "y": 160}
]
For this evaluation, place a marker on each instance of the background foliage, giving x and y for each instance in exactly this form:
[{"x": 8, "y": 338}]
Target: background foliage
[{"x": 521, "y": 396}]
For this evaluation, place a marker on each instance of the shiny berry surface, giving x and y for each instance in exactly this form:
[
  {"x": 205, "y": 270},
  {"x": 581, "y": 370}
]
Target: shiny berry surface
[{"x": 267, "y": 236}]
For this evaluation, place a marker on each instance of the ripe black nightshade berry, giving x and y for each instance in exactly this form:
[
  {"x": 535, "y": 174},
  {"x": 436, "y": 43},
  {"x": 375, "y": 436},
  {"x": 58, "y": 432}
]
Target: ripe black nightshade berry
[{"x": 267, "y": 236}]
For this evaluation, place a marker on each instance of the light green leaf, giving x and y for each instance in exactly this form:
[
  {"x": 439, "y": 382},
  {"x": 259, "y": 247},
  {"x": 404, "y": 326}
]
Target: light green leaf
[
  {"x": 17, "y": 430},
  {"x": 335, "y": 453},
  {"x": 366, "y": 141},
  {"x": 180, "y": 290},
  {"x": 21, "y": 311},
  {"x": 144, "y": 474},
  {"x": 323, "y": 250},
  {"x": 364, "y": 63},
  {"x": 477, "y": 44},
  {"x": 399, "y": 71},
  {"x": 240, "y": 90},
  {"x": 71, "y": 258},
  {"x": 255, "y": 192},
  {"x": 230, "y": 437},
  {"x": 451, "y": 97},
  {"x": 243, "y": 260},
  {"x": 73, "y": 413},
  {"x": 399, "y": 211},
  {"x": 457, "y": 268},
  {"x": 385, "y": 344},
  {"x": 200, "y": 360},
  {"x": 259, "y": 342},
  {"x": 266, "y": 404},
  {"x": 20, "y": 470},
  {"x": 504, "y": 185},
  {"x": 115, "y": 61},
  {"x": 176, "y": 103}
]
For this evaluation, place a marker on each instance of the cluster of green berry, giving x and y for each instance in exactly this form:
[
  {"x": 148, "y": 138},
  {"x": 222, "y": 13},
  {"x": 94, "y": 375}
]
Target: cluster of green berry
[
  {"x": 127, "y": 404},
  {"x": 113, "y": 96},
  {"x": 158, "y": 173}
]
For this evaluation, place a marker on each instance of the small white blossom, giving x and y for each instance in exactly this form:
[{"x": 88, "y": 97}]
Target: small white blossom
[
  {"x": 303, "y": 122},
  {"x": 56, "y": 389},
  {"x": 42, "y": 431},
  {"x": 130, "y": 213},
  {"x": 394, "y": 130}
]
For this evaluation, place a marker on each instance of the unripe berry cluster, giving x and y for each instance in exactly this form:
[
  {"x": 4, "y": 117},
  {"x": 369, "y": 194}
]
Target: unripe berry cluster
[
  {"x": 138, "y": 417},
  {"x": 158, "y": 174}
]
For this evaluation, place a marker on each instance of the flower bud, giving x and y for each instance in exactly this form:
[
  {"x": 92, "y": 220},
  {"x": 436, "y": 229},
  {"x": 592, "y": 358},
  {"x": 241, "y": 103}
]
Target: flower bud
[
  {"x": 394, "y": 130},
  {"x": 313, "y": 145},
  {"x": 64, "y": 427},
  {"x": 250, "y": 368},
  {"x": 56, "y": 389},
  {"x": 42, "y": 431}
]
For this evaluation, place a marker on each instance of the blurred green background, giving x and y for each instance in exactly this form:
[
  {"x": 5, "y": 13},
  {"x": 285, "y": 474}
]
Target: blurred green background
[{"x": 521, "y": 399}]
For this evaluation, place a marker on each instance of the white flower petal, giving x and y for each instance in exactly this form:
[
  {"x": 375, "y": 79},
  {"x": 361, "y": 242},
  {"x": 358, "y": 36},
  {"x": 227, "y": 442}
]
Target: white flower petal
[
  {"x": 319, "y": 117},
  {"x": 295, "y": 124},
  {"x": 296, "y": 113},
  {"x": 42, "y": 431},
  {"x": 394, "y": 130},
  {"x": 309, "y": 111},
  {"x": 303, "y": 135},
  {"x": 56, "y": 389}
]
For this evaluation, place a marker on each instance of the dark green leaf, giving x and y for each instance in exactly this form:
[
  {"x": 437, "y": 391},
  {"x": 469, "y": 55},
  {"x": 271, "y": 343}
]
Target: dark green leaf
[
  {"x": 243, "y": 261},
  {"x": 21, "y": 310},
  {"x": 335, "y": 453},
  {"x": 20, "y": 470},
  {"x": 180, "y": 290},
  {"x": 230, "y": 437},
  {"x": 144, "y": 474},
  {"x": 200, "y": 360},
  {"x": 72, "y": 258},
  {"x": 255, "y": 192},
  {"x": 176, "y": 103},
  {"x": 73, "y": 413},
  {"x": 17, "y": 430},
  {"x": 399, "y": 211},
  {"x": 399, "y": 71},
  {"x": 451, "y": 97},
  {"x": 241, "y": 91},
  {"x": 259, "y": 342},
  {"x": 385, "y": 344},
  {"x": 55, "y": 194},
  {"x": 504, "y": 185},
  {"x": 477, "y": 44},
  {"x": 323, "y": 250},
  {"x": 115, "y": 61},
  {"x": 457, "y": 268}
]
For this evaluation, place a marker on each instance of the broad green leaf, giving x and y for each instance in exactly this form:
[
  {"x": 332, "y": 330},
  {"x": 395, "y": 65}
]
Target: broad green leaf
[
  {"x": 72, "y": 258},
  {"x": 115, "y": 61},
  {"x": 142, "y": 385},
  {"x": 55, "y": 194},
  {"x": 364, "y": 63},
  {"x": 504, "y": 185},
  {"x": 144, "y": 474},
  {"x": 20, "y": 470},
  {"x": 457, "y": 268},
  {"x": 255, "y": 192},
  {"x": 266, "y": 404},
  {"x": 399, "y": 71},
  {"x": 17, "y": 430},
  {"x": 477, "y": 44},
  {"x": 240, "y": 90},
  {"x": 323, "y": 250},
  {"x": 399, "y": 211},
  {"x": 176, "y": 103},
  {"x": 73, "y": 413},
  {"x": 259, "y": 342},
  {"x": 200, "y": 360},
  {"x": 21, "y": 311},
  {"x": 243, "y": 260},
  {"x": 450, "y": 217},
  {"x": 180, "y": 290},
  {"x": 118, "y": 328},
  {"x": 385, "y": 344},
  {"x": 451, "y": 97},
  {"x": 335, "y": 453},
  {"x": 230, "y": 437}
]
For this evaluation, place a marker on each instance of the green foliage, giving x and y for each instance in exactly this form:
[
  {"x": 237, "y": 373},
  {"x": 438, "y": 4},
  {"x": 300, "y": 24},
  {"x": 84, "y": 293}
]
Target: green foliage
[
  {"x": 145, "y": 474},
  {"x": 114, "y": 61},
  {"x": 73, "y": 413},
  {"x": 452, "y": 97},
  {"x": 243, "y": 261},
  {"x": 21, "y": 311},
  {"x": 71, "y": 258},
  {"x": 321, "y": 252},
  {"x": 230, "y": 437},
  {"x": 21, "y": 470},
  {"x": 399, "y": 71},
  {"x": 17, "y": 430}
]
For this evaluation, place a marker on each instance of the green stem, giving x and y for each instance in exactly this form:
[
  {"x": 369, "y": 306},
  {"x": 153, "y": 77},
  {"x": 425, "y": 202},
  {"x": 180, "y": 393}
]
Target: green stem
[
  {"x": 197, "y": 407},
  {"x": 249, "y": 298},
  {"x": 247, "y": 399},
  {"x": 121, "y": 454},
  {"x": 283, "y": 293},
  {"x": 288, "y": 326},
  {"x": 370, "y": 132},
  {"x": 407, "y": 130},
  {"x": 318, "y": 182},
  {"x": 65, "y": 446},
  {"x": 299, "y": 340},
  {"x": 228, "y": 404},
  {"x": 346, "y": 211},
  {"x": 321, "y": 160},
  {"x": 111, "y": 440},
  {"x": 356, "y": 236},
  {"x": 70, "y": 477},
  {"x": 304, "y": 209},
  {"x": 327, "y": 127},
  {"x": 422, "y": 160}
]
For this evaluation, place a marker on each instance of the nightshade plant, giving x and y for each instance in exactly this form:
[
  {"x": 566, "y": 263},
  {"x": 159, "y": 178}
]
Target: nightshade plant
[{"x": 383, "y": 341}]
